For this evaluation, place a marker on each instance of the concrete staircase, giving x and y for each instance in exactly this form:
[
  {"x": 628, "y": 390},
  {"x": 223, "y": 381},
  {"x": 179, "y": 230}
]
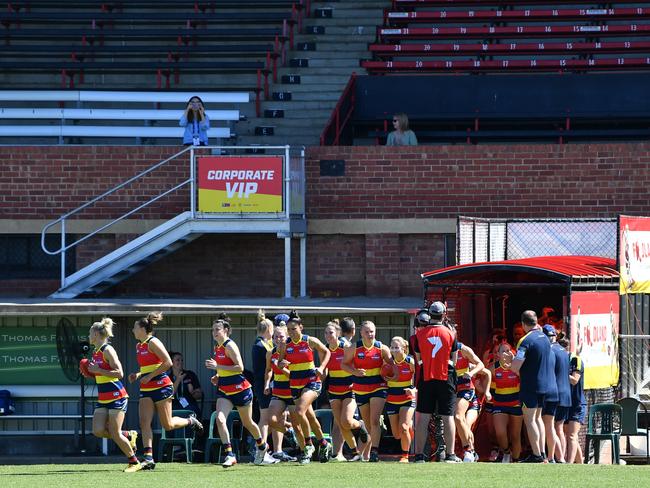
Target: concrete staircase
[{"x": 325, "y": 54}]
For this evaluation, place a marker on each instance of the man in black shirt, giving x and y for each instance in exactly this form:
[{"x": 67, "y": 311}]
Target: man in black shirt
[{"x": 187, "y": 389}]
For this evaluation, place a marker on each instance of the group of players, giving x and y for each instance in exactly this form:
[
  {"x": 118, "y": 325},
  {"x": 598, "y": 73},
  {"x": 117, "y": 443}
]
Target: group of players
[{"x": 365, "y": 376}]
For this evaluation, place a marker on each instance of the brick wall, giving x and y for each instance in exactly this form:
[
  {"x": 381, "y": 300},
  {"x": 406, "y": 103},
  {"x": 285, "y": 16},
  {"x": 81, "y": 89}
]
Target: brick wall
[
  {"x": 591, "y": 180},
  {"x": 47, "y": 181},
  {"x": 578, "y": 180}
]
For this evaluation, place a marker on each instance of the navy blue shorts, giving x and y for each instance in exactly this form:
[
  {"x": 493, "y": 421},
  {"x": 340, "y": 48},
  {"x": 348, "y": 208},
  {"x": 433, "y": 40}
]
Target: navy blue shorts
[
  {"x": 340, "y": 396},
  {"x": 394, "y": 408},
  {"x": 531, "y": 399},
  {"x": 119, "y": 404},
  {"x": 468, "y": 395},
  {"x": 262, "y": 400},
  {"x": 497, "y": 409},
  {"x": 576, "y": 414},
  {"x": 316, "y": 386},
  {"x": 287, "y": 401},
  {"x": 550, "y": 408},
  {"x": 364, "y": 399},
  {"x": 561, "y": 414},
  {"x": 239, "y": 399},
  {"x": 158, "y": 395}
]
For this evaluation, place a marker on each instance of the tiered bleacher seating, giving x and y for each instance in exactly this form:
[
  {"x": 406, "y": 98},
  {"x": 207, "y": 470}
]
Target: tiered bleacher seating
[
  {"x": 80, "y": 114},
  {"x": 167, "y": 39},
  {"x": 595, "y": 56},
  {"x": 547, "y": 36}
]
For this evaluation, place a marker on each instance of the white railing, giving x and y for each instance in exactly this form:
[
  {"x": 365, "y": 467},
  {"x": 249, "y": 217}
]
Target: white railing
[{"x": 293, "y": 199}]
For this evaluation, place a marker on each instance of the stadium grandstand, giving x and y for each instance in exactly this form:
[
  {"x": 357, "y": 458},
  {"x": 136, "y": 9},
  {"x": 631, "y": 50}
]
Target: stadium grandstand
[{"x": 527, "y": 191}]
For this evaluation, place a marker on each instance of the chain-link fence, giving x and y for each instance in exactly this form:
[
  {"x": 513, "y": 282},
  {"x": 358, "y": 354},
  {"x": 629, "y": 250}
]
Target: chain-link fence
[
  {"x": 635, "y": 345},
  {"x": 480, "y": 240}
]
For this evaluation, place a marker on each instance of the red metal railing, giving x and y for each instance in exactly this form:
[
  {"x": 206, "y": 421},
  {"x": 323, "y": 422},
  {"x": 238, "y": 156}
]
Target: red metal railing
[{"x": 338, "y": 121}]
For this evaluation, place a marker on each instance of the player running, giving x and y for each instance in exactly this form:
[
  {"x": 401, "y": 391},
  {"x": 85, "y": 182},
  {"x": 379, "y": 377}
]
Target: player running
[
  {"x": 364, "y": 361},
  {"x": 340, "y": 393},
  {"x": 305, "y": 381},
  {"x": 156, "y": 388},
  {"x": 233, "y": 390},
  {"x": 400, "y": 401},
  {"x": 106, "y": 369}
]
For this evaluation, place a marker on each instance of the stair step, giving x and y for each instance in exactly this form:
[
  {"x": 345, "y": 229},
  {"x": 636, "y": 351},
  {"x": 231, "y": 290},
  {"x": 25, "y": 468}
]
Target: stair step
[
  {"x": 350, "y": 29},
  {"x": 294, "y": 112},
  {"x": 356, "y": 42},
  {"x": 317, "y": 70}
]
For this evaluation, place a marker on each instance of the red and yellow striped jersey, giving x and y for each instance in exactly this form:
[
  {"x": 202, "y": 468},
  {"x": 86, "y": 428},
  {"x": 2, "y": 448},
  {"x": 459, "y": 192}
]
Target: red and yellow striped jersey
[
  {"x": 109, "y": 389},
  {"x": 340, "y": 381},
  {"x": 462, "y": 367},
  {"x": 280, "y": 387},
  {"x": 371, "y": 360},
  {"x": 301, "y": 363},
  {"x": 230, "y": 382},
  {"x": 149, "y": 362},
  {"x": 506, "y": 390},
  {"x": 397, "y": 388}
]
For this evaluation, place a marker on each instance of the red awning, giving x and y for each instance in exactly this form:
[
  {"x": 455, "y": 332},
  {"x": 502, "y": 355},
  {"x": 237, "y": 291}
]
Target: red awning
[{"x": 561, "y": 268}]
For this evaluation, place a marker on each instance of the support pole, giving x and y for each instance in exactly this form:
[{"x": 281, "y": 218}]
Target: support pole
[
  {"x": 303, "y": 266},
  {"x": 287, "y": 267}
]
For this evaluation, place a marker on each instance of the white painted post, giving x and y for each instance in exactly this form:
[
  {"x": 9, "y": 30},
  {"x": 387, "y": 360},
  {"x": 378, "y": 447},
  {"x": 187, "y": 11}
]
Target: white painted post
[
  {"x": 287, "y": 266},
  {"x": 303, "y": 266},
  {"x": 192, "y": 184}
]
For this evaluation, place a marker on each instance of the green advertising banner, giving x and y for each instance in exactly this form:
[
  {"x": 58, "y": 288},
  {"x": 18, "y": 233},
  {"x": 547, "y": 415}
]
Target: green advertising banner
[{"x": 28, "y": 356}]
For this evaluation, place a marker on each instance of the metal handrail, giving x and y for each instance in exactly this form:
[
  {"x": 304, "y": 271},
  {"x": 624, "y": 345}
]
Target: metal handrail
[
  {"x": 62, "y": 250},
  {"x": 335, "y": 119},
  {"x": 96, "y": 199},
  {"x": 191, "y": 181}
]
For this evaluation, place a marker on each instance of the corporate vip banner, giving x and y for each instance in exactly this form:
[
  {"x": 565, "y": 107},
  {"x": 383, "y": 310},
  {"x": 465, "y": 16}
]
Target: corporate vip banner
[
  {"x": 230, "y": 184},
  {"x": 634, "y": 254},
  {"x": 594, "y": 335}
]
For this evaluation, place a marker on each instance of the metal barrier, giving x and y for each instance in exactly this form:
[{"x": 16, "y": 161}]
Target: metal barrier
[{"x": 482, "y": 240}]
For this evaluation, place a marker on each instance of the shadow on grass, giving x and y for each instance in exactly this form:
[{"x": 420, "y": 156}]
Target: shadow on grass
[{"x": 65, "y": 471}]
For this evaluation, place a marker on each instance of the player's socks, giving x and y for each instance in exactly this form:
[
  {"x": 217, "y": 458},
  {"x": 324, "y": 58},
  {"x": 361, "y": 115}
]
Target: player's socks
[{"x": 148, "y": 454}]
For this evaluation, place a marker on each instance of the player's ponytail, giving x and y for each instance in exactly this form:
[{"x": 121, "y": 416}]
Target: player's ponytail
[
  {"x": 104, "y": 327},
  {"x": 148, "y": 322}
]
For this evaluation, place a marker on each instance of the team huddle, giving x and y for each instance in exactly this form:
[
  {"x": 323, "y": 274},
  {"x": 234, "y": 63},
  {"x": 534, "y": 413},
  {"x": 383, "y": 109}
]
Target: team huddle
[{"x": 432, "y": 378}]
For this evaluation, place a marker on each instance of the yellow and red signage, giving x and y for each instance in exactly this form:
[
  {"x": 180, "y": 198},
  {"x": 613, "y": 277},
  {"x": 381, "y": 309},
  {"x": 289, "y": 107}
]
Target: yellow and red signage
[
  {"x": 594, "y": 335},
  {"x": 231, "y": 184},
  {"x": 634, "y": 254}
]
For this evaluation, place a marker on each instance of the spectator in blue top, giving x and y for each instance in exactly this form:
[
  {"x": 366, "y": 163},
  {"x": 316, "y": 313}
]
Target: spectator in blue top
[
  {"x": 533, "y": 363},
  {"x": 578, "y": 408},
  {"x": 196, "y": 123},
  {"x": 561, "y": 407}
]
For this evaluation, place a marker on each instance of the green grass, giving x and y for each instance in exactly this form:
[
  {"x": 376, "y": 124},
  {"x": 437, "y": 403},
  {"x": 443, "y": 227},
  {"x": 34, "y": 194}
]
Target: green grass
[{"x": 381, "y": 475}]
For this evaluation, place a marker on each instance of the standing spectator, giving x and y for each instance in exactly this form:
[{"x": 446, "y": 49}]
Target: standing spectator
[
  {"x": 562, "y": 365},
  {"x": 576, "y": 415},
  {"x": 551, "y": 400},
  {"x": 262, "y": 345},
  {"x": 187, "y": 389},
  {"x": 437, "y": 389},
  {"x": 196, "y": 123},
  {"x": 533, "y": 363},
  {"x": 401, "y": 136}
]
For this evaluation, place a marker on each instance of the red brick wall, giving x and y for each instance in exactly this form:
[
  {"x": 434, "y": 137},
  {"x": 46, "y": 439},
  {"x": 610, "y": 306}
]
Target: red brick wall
[
  {"x": 586, "y": 180},
  {"x": 579, "y": 180},
  {"x": 47, "y": 181},
  {"x": 591, "y": 180}
]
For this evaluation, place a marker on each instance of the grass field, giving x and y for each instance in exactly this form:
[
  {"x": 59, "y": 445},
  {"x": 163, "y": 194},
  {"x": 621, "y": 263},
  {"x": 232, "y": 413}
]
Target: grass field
[{"x": 381, "y": 475}]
